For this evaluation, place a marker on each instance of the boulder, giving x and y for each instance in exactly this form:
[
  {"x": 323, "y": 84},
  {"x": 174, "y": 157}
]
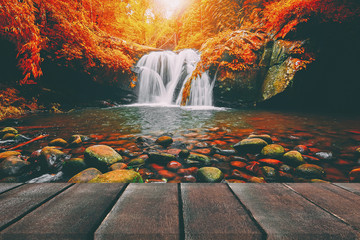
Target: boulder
[
  {"x": 118, "y": 176},
  {"x": 209, "y": 175},
  {"x": 101, "y": 157},
  {"x": 250, "y": 145},
  {"x": 310, "y": 171},
  {"x": 293, "y": 158},
  {"x": 164, "y": 141},
  {"x": 265, "y": 137},
  {"x": 73, "y": 166},
  {"x": 273, "y": 151},
  {"x": 85, "y": 176},
  {"x": 12, "y": 166},
  {"x": 58, "y": 142},
  {"x": 51, "y": 159}
]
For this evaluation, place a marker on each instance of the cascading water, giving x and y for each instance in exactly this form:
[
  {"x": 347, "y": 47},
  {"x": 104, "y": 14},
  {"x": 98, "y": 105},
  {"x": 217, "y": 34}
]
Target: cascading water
[{"x": 162, "y": 77}]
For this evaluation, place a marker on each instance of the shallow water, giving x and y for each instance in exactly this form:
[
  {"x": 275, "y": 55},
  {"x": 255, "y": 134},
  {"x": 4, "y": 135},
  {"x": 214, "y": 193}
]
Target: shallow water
[{"x": 199, "y": 128}]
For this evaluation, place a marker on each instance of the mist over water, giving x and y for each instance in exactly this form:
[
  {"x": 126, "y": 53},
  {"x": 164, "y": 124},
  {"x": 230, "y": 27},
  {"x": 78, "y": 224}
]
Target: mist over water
[{"x": 162, "y": 77}]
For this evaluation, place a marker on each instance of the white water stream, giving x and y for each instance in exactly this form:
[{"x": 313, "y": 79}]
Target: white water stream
[{"x": 162, "y": 76}]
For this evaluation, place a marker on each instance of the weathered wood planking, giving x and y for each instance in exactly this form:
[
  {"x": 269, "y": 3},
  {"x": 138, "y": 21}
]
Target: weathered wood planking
[
  {"x": 284, "y": 214},
  {"x": 211, "y": 211},
  {"x": 7, "y": 186},
  {"x": 19, "y": 201},
  {"x": 73, "y": 214},
  {"x": 336, "y": 200},
  {"x": 352, "y": 187},
  {"x": 144, "y": 211}
]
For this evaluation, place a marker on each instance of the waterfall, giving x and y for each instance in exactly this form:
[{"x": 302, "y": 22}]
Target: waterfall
[{"x": 162, "y": 77}]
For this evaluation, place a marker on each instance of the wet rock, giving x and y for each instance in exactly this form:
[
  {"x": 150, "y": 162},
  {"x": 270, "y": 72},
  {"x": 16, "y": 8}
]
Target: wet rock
[
  {"x": 198, "y": 159},
  {"x": 309, "y": 171},
  {"x": 224, "y": 152},
  {"x": 253, "y": 167},
  {"x": 85, "y": 176},
  {"x": 12, "y": 166},
  {"x": 184, "y": 153},
  {"x": 135, "y": 163},
  {"x": 324, "y": 155},
  {"x": 286, "y": 177},
  {"x": 73, "y": 166},
  {"x": 101, "y": 157},
  {"x": 318, "y": 181},
  {"x": 118, "y": 176},
  {"x": 51, "y": 159},
  {"x": 47, "y": 178},
  {"x": 268, "y": 173},
  {"x": 75, "y": 141},
  {"x": 311, "y": 159},
  {"x": 161, "y": 158},
  {"x": 167, "y": 174},
  {"x": 8, "y": 136},
  {"x": 240, "y": 175},
  {"x": 252, "y": 145},
  {"x": 118, "y": 166},
  {"x": 8, "y": 130},
  {"x": 265, "y": 137},
  {"x": 58, "y": 142},
  {"x": 354, "y": 175},
  {"x": 286, "y": 168},
  {"x": 293, "y": 158},
  {"x": 188, "y": 179},
  {"x": 174, "y": 165},
  {"x": 205, "y": 151},
  {"x": 302, "y": 149},
  {"x": 270, "y": 162},
  {"x": 257, "y": 180},
  {"x": 209, "y": 175},
  {"x": 188, "y": 171},
  {"x": 273, "y": 151},
  {"x": 164, "y": 141},
  {"x": 7, "y": 154},
  {"x": 234, "y": 181},
  {"x": 238, "y": 164}
]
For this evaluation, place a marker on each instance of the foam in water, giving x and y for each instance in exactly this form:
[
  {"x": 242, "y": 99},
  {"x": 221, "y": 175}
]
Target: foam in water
[{"x": 162, "y": 77}]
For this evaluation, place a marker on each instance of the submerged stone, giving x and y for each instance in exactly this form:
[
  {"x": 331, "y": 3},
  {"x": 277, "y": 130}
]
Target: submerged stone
[
  {"x": 251, "y": 145},
  {"x": 137, "y": 162},
  {"x": 309, "y": 171},
  {"x": 85, "y": 176},
  {"x": 209, "y": 175},
  {"x": 269, "y": 173},
  {"x": 184, "y": 153},
  {"x": 118, "y": 166},
  {"x": 118, "y": 176},
  {"x": 161, "y": 158},
  {"x": 199, "y": 158}
]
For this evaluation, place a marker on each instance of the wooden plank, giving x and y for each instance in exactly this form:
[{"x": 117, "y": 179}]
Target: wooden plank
[
  {"x": 211, "y": 211},
  {"x": 73, "y": 214},
  {"x": 352, "y": 187},
  {"x": 18, "y": 202},
  {"x": 336, "y": 200},
  {"x": 284, "y": 214},
  {"x": 7, "y": 186},
  {"x": 144, "y": 211}
]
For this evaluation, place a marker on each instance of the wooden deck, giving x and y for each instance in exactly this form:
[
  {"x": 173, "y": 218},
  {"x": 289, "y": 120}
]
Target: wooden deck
[{"x": 180, "y": 211}]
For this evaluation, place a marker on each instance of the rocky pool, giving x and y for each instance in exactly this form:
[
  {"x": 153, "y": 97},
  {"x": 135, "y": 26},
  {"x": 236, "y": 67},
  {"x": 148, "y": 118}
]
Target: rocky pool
[{"x": 326, "y": 141}]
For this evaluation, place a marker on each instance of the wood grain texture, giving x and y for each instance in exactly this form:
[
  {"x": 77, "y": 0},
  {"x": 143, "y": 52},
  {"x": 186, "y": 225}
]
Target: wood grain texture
[
  {"x": 352, "y": 187},
  {"x": 336, "y": 200},
  {"x": 144, "y": 211},
  {"x": 73, "y": 214},
  {"x": 7, "y": 186},
  {"x": 19, "y": 201},
  {"x": 211, "y": 211},
  {"x": 286, "y": 215}
]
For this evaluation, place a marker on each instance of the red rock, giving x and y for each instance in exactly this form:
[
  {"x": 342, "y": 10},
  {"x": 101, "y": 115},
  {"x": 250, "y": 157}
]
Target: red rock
[
  {"x": 270, "y": 162},
  {"x": 314, "y": 150},
  {"x": 253, "y": 167},
  {"x": 173, "y": 151},
  {"x": 146, "y": 173},
  {"x": 235, "y": 181},
  {"x": 205, "y": 151},
  {"x": 301, "y": 149},
  {"x": 238, "y": 164},
  {"x": 188, "y": 178},
  {"x": 221, "y": 157},
  {"x": 174, "y": 165},
  {"x": 188, "y": 171},
  {"x": 167, "y": 174},
  {"x": 156, "y": 167},
  {"x": 257, "y": 180},
  {"x": 311, "y": 159},
  {"x": 335, "y": 175},
  {"x": 343, "y": 162},
  {"x": 218, "y": 142},
  {"x": 238, "y": 174}
]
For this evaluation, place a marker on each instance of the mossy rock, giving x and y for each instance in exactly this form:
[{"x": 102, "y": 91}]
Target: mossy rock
[
  {"x": 164, "y": 141},
  {"x": 199, "y": 158},
  {"x": 293, "y": 158},
  {"x": 118, "y": 166},
  {"x": 13, "y": 166},
  {"x": 75, "y": 141},
  {"x": 85, "y": 176},
  {"x": 8, "y": 136},
  {"x": 101, "y": 157},
  {"x": 74, "y": 166},
  {"x": 273, "y": 151},
  {"x": 118, "y": 176},
  {"x": 269, "y": 173},
  {"x": 8, "y": 130},
  {"x": 250, "y": 145},
  {"x": 265, "y": 137},
  {"x": 161, "y": 158},
  {"x": 7, "y": 154},
  {"x": 209, "y": 175},
  {"x": 310, "y": 171},
  {"x": 58, "y": 142},
  {"x": 51, "y": 159},
  {"x": 137, "y": 162}
]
